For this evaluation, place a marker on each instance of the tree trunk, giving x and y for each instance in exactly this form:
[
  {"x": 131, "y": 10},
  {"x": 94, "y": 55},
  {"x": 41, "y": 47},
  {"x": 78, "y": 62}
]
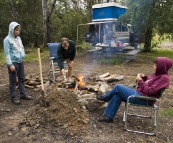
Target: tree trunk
[
  {"x": 44, "y": 7},
  {"x": 46, "y": 21},
  {"x": 13, "y": 11},
  {"x": 149, "y": 30}
]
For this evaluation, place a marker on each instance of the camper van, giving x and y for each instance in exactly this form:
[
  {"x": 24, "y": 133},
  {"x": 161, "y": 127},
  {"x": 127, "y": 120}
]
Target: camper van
[{"x": 105, "y": 27}]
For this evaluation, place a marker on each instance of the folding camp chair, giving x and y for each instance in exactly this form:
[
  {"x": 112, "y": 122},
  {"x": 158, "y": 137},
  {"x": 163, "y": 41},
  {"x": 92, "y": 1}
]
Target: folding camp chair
[
  {"x": 53, "y": 47},
  {"x": 154, "y": 108}
]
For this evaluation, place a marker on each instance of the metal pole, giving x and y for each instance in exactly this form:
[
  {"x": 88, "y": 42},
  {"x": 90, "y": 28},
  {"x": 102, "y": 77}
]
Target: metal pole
[
  {"x": 99, "y": 33},
  {"x": 77, "y": 39}
]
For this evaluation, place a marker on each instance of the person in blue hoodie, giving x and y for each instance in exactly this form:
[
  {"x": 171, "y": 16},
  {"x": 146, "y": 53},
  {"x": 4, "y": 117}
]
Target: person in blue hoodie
[{"x": 14, "y": 54}]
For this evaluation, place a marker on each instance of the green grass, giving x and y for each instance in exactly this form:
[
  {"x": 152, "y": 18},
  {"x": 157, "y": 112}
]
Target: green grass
[
  {"x": 34, "y": 55},
  {"x": 167, "y": 113},
  {"x": 31, "y": 57},
  {"x": 157, "y": 53},
  {"x": 2, "y": 59},
  {"x": 111, "y": 60}
]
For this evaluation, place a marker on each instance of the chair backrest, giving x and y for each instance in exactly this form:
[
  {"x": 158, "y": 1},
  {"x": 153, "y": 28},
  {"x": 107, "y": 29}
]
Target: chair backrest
[
  {"x": 53, "y": 47},
  {"x": 161, "y": 92}
]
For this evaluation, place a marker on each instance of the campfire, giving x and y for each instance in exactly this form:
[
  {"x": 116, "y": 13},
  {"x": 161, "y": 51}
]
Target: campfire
[
  {"x": 81, "y": 82},
  {"x": 86, "y": 91}
]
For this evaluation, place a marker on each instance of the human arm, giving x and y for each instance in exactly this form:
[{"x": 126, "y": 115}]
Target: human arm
[
  {"x": 7, "y": 52},
  {"x": 153, "y": 85}
]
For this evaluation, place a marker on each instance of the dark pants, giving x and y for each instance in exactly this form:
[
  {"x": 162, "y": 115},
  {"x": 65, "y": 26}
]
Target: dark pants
[{"x": 12, "y": 79}]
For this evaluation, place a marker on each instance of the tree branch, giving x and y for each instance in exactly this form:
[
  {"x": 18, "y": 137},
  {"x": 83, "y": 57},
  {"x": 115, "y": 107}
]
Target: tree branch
[
  {"x": 51, "y": 8},
  {"x": 13, "y": 12}
]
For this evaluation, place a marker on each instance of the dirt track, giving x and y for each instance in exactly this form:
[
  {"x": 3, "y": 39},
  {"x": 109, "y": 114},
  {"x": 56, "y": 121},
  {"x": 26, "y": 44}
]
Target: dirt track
[{"x": 15, "y": 128}]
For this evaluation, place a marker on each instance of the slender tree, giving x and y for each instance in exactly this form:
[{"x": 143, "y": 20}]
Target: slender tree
[{"x": 46, "y": 20}]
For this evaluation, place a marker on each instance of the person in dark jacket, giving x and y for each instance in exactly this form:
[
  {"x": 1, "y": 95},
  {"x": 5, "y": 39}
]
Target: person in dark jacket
[
  {"x": 66, "y": 52},
  {"x": 146, "y": 87}
]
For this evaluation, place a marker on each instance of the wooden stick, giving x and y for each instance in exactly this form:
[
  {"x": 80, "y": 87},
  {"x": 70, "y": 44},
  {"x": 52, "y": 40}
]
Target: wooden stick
[
  {"x": 28, "y": 86},
  {"x": 104, "y": 75},
  {"x": 40, "y": 67},
  {"x": 76, "y": 87},
  {"x": 76, "y": 78}
]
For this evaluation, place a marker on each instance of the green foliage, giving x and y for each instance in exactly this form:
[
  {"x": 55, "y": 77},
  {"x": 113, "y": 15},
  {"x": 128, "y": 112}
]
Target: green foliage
[
  {"x": 68, "y": 14},
  {"x": 147, "y": 16}
]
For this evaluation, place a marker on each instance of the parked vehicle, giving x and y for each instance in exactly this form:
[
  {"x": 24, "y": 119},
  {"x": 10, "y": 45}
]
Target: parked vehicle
[{"x": 105, "y": 27}]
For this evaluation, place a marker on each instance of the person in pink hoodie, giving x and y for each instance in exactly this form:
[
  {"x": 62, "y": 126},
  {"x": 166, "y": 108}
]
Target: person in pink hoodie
[{"x": 147, "y": 86}]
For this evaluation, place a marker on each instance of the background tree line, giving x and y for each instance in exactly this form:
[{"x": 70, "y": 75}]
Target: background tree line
[{"x": 54, "y": 19}]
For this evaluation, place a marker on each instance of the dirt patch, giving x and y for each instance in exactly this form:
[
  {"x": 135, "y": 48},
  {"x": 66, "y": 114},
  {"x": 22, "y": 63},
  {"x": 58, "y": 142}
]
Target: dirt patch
[
  {"x": 167, "y": 45},
  {"x": 66, "y": 121},
  {"x": 64, "y": 110}
]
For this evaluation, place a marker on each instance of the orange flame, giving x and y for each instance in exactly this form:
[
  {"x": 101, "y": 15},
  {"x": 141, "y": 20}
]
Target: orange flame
[{"x": 81, "y": 82}]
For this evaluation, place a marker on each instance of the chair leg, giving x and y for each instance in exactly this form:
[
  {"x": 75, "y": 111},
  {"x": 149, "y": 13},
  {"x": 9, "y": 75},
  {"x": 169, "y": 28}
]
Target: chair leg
[
  {"x": 136, "y": 131},
  {"x": 124, "y": 115},
  {"x": 53, "y": 71}
]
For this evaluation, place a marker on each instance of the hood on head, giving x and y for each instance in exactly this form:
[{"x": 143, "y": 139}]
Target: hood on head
[
  {"x": 11, "y": 28},
  {"x": 163, "y": 65}
]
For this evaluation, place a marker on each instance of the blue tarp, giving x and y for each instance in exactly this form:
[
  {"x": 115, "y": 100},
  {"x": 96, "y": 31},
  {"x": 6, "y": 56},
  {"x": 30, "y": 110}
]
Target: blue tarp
[{"x": 107, "y": 13}]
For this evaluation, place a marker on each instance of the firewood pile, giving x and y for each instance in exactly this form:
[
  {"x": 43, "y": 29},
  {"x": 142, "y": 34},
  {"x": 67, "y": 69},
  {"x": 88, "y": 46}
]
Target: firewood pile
[{"x": 34, "y": 82}]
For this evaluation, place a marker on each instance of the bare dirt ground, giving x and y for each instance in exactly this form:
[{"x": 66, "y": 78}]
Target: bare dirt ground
[{"x": 66, "y": 121}]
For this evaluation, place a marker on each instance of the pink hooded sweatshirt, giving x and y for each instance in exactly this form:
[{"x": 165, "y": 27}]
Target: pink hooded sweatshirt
[{"x": 160, "y": 79}]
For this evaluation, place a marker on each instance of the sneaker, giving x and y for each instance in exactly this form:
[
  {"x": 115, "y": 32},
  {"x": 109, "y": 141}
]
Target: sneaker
[
  {"x": 101, "y": 98},
  {"x": 105, "y": 118},
  {"x": 26, "y": 97},
  {"x": 15, "y": 101}
]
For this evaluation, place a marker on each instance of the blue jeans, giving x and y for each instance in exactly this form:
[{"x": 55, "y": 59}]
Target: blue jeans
[{"x": 116, "y": 95}]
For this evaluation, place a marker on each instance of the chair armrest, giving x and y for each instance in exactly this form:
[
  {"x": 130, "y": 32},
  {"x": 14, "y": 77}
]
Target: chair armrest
[{"x": 144, "y": 97}]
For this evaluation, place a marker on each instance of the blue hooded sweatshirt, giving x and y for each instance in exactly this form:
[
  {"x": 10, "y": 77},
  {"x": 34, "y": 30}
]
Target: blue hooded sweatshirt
[{"x": 13, "y": 47}]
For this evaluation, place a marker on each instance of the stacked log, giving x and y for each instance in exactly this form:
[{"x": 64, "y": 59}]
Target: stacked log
[{"x": 33, "y": 83}]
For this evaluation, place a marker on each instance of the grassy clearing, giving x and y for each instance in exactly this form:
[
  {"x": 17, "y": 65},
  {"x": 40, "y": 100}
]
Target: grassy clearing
[
  {"x": 31, "y": 57},
  {"x": 157, "y": 53}
]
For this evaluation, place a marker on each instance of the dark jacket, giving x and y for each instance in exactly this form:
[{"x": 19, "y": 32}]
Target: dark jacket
[
  {"x": 63, "y": 54},
  {"x": 160, "y": 79}
]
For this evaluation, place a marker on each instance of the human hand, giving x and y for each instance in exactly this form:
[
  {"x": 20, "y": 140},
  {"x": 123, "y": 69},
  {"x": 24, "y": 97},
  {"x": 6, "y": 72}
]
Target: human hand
[
  {"x": 142, "y": 75},
  {"x": 12, "y": 68},
  {"x": 138, "y": 77}
]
